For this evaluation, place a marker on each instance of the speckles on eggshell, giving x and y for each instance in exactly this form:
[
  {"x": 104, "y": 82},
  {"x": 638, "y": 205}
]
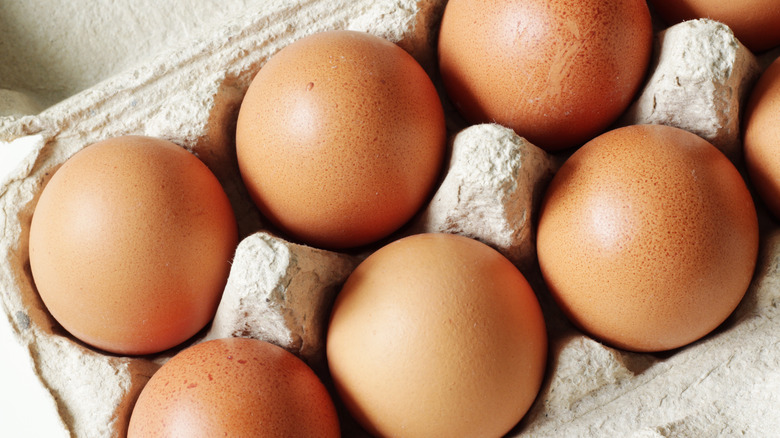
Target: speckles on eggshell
[
  {"x": 376, "y": 124},
  {"x": 647, "y": 237},
  {"x": 111, "y": 216},
  {"x": 275, "y": 395},
  {"x": 556, "y": 78}
]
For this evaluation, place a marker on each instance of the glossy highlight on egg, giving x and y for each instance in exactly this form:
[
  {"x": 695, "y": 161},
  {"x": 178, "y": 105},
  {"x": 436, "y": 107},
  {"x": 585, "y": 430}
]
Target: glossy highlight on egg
[
  {"x": 557, "y": 72},
  {"x": 340, "y": 139},
  {"x": 437, "y": 335},
  {"x": 130, "y": 245},
  {"x": 648, "y": 238},
  {"x": 234, "y": 387}
]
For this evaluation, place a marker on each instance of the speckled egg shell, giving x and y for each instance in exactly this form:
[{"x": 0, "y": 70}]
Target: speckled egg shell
[
  {"x": 754, "y": 22},
  {"x": 234, "y": 387},
  {"x": 340, "y": 139},
  {"x": 130, "y": 245},
  {"x": 557, "y": 72},
  {"x": 437, "y": 335},
  {"x": 648, "y": 237},
  {"x": 762, "y": 137}
]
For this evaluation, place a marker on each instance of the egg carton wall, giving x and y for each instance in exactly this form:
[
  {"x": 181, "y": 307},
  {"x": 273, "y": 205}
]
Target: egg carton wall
[{"x": 725, "y": 383}]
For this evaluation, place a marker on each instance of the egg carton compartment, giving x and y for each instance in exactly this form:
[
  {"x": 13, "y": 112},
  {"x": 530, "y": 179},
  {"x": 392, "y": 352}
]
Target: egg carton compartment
[{"x": 725, "y": 383}]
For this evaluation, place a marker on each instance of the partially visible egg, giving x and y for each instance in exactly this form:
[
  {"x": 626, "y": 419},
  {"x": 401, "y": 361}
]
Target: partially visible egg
[
  {"x": 130, "y": 245},
  {"x": 754, "y": 22},
  {"x": 558, "y": 72},
  {"x": 234, "y": 387},
  {"x": 340, "y": 139},
  {"x": 437, "y": 335},
  {"x": 647, "y": 238},
  {"x": 761, "y": 128}
]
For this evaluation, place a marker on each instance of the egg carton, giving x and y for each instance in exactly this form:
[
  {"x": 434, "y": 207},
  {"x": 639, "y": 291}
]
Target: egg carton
[{"x": 724, "y": 384}]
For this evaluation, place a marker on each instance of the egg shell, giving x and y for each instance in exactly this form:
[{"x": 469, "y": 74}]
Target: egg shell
[
  {"x": 557, "y": 72},
  {"x": 648, "y": 237},
  {"x": 234, "y": 387},
  {"x": 130, "y": 245},
  {"x": 340, "y": 139},
  {"x": 754, "y": 22},
  {"x": 437, "y": 335},
  {"x": 762, "y": 137}
]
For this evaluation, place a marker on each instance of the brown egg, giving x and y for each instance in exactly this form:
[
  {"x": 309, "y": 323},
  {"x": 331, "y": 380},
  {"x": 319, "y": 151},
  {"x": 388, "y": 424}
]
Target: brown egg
[
  {"x": 754, "y": 22},
  {"x": 647, "y": 237},
  {"x": 130, "y": 245},
  {"x": 762, "y": 137},
  {"x": 340, "y": 138},
  {"x": 558, "y": 72},
  {"x": 234, "y": 387},
  {"x": 437, "y": 335}
]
